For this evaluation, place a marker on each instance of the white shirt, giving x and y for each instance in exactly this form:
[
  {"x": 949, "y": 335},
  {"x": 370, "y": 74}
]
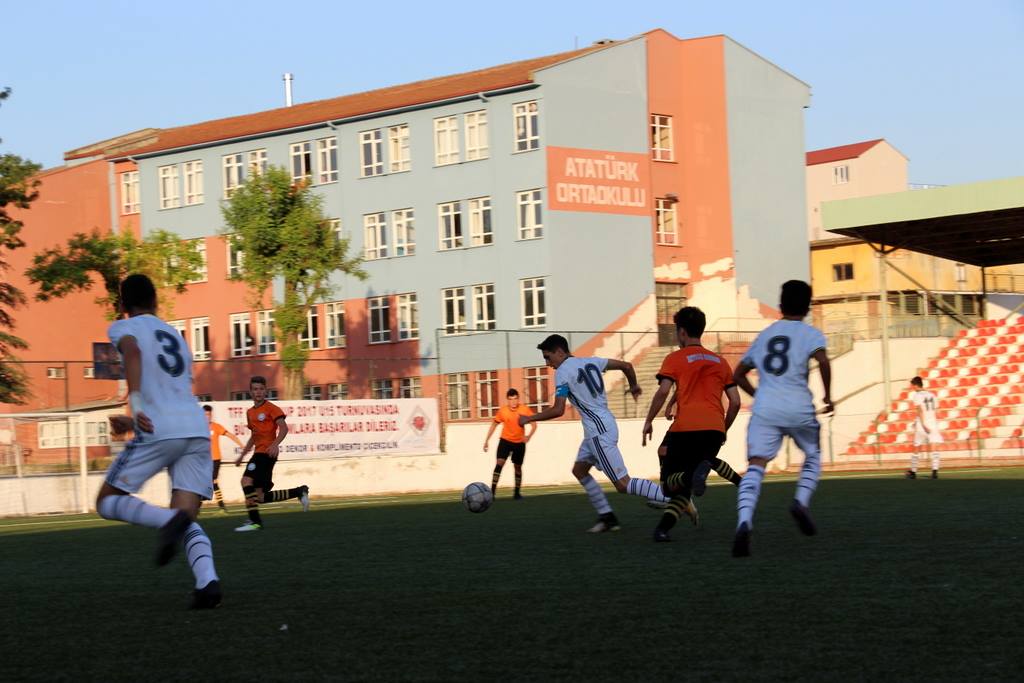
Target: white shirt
[
  {"x": 926, "y": 401},
  {"x": 166, "y": 385},
  {"x": 581, "y": 380},
  {"x": 781, "y": 354}
]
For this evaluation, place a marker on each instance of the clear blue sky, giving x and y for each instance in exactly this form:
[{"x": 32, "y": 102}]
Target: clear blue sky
[{"x": 941, "y": 80}]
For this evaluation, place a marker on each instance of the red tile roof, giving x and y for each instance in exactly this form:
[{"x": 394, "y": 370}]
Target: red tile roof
[
  {"x": 824, "y": 156},
  {"x": 410, "y": 94}
]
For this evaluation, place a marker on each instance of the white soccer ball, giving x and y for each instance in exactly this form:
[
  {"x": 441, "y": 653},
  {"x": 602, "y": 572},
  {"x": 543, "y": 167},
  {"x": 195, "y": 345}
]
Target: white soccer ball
[{"x": 477, "y": 497}]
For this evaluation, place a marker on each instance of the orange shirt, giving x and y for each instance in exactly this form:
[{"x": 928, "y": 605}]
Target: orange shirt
[
  {"x": 216, "y": 431},
  {"x": 509, "y": 420},
  {"x": 701, "y": 377},
  {"x": 263, "y": 423}
]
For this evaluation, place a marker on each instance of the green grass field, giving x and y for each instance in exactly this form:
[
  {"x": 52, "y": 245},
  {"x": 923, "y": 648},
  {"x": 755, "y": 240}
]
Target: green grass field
[{"x": 907, "y": 580}]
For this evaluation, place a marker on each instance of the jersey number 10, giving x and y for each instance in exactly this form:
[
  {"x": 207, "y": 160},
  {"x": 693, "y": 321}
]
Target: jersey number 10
[{"x": 591, "y": 376}]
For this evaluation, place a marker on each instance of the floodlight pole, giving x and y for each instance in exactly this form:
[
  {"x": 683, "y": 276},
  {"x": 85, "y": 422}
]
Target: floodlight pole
[{"x": 881, "y": 252}]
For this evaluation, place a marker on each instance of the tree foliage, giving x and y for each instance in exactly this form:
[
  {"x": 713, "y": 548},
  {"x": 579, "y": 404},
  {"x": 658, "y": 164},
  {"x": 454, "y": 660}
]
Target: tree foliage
[{"x": 280, "y": 230}]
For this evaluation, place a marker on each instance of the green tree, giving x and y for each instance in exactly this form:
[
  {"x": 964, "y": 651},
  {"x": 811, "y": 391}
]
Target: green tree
[
  {"x": 280, "y": 230},
  {"x": 18, "y": 189},
  {"x": 170, "y": 262}
]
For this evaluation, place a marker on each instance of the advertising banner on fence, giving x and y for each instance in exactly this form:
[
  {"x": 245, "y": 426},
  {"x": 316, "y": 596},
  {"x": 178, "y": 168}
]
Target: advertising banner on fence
[
  {"x": 339, "y": 429},
  {"x": 599, "y": 181}
]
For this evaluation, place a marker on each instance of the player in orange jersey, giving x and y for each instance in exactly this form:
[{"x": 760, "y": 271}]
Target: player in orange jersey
[
  {"x": 217, "y": 430},
  {"x": 513, "y": 439}
]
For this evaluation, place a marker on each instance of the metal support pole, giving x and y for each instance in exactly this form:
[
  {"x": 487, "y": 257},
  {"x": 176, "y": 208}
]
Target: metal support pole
[
  {"x": 984, "y": 293},
  {"x": 441, "y": 394},
  {"x": 884, "y": 303},
  {"x": 83, "y": 465}
]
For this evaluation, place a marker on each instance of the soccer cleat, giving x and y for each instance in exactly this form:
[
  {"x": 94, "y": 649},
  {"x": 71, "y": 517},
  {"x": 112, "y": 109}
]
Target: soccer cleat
[
  {"x": 304, "y": 498},
  {"x": 911, "y": 474},
  {"x": 656, "y": 504},
  {"x": 207, "y": 597},
  {"x": 741, "y": 541},
  {"x": 935, "y": 474},
  {"x": 700, "y": 477},
  {"x": 661, "y": 536},
  {"x": 517, "y": 496},
  {"x": 170, "y": 537},
  {"x": 606, "y": 522},
  {"x": 250, "y": 526},
  {"x": 803, "y": 518},
  {"x": 692, "y": 512}
]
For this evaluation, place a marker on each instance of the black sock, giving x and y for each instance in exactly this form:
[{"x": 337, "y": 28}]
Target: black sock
[
  {"x": 252, "y": 502},
  {"x": 519, "y": 481},
  {"x": 287, "y": 494},
  {"x": 725, "y": 472},
  {"x": 494, "y": 479}
]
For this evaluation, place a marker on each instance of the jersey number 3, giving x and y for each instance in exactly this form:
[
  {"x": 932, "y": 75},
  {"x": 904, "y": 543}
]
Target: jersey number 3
[
  {"x": 171, "y": 345},
  {"x": 591, "y": 376},
  {"x": 776, "y": 361}
]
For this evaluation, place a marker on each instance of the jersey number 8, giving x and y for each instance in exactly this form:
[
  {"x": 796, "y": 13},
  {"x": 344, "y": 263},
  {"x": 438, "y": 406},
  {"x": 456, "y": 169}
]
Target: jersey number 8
[{"x": 776, "y": 361}]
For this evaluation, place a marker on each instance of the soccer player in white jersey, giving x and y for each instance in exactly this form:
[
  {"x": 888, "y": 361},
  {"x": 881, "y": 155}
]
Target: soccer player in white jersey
[
  {"x": 581, "y": 381},
  {"x": 926, "y": 427},
  {"x": 783, "y": 406},
  {"x": 170, "y": 432}
]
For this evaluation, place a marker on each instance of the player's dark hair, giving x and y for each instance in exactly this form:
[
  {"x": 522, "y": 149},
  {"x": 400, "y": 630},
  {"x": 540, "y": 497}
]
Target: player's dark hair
[
  {"x": 511, "y": 392},
  {"x": 137, "y": 291},
  {"x": 796, "y": 298},
  {"x": 258, "y": 379},
  {"x": 917, "y": 382},
  {"x": 208, "y": 409},
  {"x": 692, "y": 320},
  {"x": 554, "y": 343}
]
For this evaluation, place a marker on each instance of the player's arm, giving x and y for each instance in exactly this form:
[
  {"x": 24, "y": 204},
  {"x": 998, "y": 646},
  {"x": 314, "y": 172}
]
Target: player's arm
[
  {"x": 556, "y": 409},
  {"x": 245, "y": 449},
  {"x": 671, "y": 406},
  {"x": 825, "y": 368},
  {"x": 490, "y": 433},
  {"x": 238, "y": 442},
  {"x": 732, "y": 394},
  {"x": 740, "y": 377},
  {"x": 920, "y": 419},
  {"x": 132, "y": 356},
  {"x": 282, "y": 431},
  {"x": 529, "y": 433},
  {"x": 664, "y": 389},
  {"x": 629, "y": 372}
]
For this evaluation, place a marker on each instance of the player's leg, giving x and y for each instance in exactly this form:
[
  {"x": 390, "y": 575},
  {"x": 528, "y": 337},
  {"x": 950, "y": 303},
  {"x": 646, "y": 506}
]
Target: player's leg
[
  {"x": 609, "y": 460},
  {"x": 217, "y": 495},
  {"x": 675, "y": 482},
  {"x": 920, "y": 439},
  {"x": 934, "y": 438},
  {"x": 191, "y": 482},
  {"x": 253, "y": 483},
  {"x": 808, "y": 440},
  {"x": 763, "y": 442},
  {"x": 518, "y": 455},
  {"x": 501, "y": 454},
  {"x": 585, "y": 459},
  {"x": 723, "y": 470}
]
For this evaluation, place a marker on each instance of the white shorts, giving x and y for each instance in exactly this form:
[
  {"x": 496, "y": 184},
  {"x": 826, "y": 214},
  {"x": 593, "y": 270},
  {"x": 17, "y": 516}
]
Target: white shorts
[
  {"x": 187, "y": 461},
  {"x": 603, "y": 453},
  {"x": 922, "y": 437},
  {"x": 765, "y": 440}
]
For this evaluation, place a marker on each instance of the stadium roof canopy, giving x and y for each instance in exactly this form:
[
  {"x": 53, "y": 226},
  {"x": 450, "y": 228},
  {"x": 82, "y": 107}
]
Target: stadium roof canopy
[{"x": 980, "y": 224}]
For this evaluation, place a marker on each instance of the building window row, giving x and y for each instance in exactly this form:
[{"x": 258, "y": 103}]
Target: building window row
[{"x": 461, "y": 387}]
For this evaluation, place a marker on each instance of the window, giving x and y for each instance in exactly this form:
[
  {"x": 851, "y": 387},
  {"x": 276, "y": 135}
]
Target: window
[
  {"x": 398, "y": 149},
  {"x": 271, "y": 394},
  {"x": 531, "y": 222},
  {"x": 375, "y": 240},
  {"x": 402, "y": 223},
  {"x": 235, "y": 258},
  {"x": 55, "y": 434},
  {"x": 487, "y": 393},
  {"x": 534, "y": 311},
  {"x": 372, "y": 153},
  {"x": 661, "y": 137},
  {"x": 200, "y": 338},
  {"x": 842, "y": 271},
  {"x": 537, "y": 392},
  {"x": 241, "y": 396},
  {"x": 55, "y": 373},
  {"x": 480, "y": 229},
  {"x": 89, "y": 372},
  {"x": 130, "y": 192},
  {"x": 380, "y": 319},
  {"x": 409, "y": 387},
  {"x": 483, "y": 307},
  {"x": 337, "y": 392},
  {"x": 204, "y": 398},
  {"x": 310, "y": 338},
  {"x": 312, "y": 392},
  {"x": 454, "y": 310},
  {"x": 234, "y": 173},
  {"x": 334, "y": 312},
  {"x": 334, "y": 225},
  {"x": 382, "y": 388},
  {"x": 449, "y": 218},
  {"x": 169, "y": 198},
  {"x": 327, "y": 156},
  {"x": 193, "y": 182},
  {"x": 408, "y": 317},
  {"x": 525, "y": 116},
  {"x": 840, "y": 175},
  {"x": 256, "y": 161},
  {"x": 458, "y": 395},
  {"x": 201, "y": 271},
  {"x": 446, "y": 140},
  {"x": 241, "y": 340},
  {"x": 476, "y": 135},
  {"x": 665, "y": 220},
  {"x": 265, "y": 329},
  {"x": 302, "y": 161},
  {"x": 179, "y": 326}
]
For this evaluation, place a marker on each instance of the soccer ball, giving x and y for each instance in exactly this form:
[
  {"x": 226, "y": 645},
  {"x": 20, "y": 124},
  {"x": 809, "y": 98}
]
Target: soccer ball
[{"x": 477, "y": 497}]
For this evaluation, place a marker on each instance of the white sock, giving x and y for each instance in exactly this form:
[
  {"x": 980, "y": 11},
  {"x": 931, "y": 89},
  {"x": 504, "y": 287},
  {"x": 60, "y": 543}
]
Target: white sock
[
  {"x": 750, "y": 490},
  {"x": 809, "y": 475},
  {"x": 134, "y": 511},
  {"x": 935, "y": 461},
  {"x": 596, "y": 495},
  {"x": 913, "y": 462},
  {"x": 199, "y": 552},
  {"x": 646, "y": 488}
]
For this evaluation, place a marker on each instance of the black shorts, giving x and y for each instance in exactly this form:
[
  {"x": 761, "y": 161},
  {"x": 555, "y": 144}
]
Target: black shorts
[
  {"x": 216, "y": 469},
  {"x": 686, "y": 450},
  {"x": 261, "y": 470},
  {"x": 508, "y": 449}
]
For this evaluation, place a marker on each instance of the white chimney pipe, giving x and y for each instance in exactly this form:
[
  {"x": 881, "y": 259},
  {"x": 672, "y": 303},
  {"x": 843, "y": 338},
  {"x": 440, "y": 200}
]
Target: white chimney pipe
[{"x": 287, "y": 90}]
